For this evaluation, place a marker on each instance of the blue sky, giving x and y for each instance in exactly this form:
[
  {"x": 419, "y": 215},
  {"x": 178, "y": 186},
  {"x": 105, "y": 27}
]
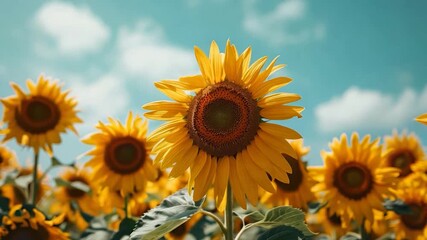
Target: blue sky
[{"x": 358, "y": 65}]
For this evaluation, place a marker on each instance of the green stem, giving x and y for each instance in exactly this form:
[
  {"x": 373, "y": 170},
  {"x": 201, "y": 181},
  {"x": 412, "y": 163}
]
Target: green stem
[
  {"x": 229, "y": 214},
  {"x": 34, "y": 190},
  {"x": 216, "y": 218},
  {"x": 126, "y": 205}
]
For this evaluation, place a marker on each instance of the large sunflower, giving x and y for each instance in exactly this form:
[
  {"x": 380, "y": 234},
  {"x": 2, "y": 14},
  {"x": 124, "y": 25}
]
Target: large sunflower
[
  {"x": 36, "y": 119},
  {"x": 8, "y": 159},
  {"x": 422, "y": 118},
  {"x": 402, "y": 152},
  {"x": 218, "y": 125},
  {"x": 297, "y": 192},
  {"x": 66, "y": 196},
  {"x": 353, "y": 179},
  {"x": 414, "y": 194},
  {"x": 121, "y": 156},
  {"x": 30, "y": 225}
]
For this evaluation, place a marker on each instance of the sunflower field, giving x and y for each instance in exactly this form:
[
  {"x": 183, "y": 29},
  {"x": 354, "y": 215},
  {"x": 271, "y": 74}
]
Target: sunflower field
[{"x": 222, "y": 165}]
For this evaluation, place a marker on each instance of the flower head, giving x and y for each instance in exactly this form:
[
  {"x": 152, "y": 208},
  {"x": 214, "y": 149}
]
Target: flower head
[
  {"x": 37, "y": 118},
  {"x": 218, "y": 125}
]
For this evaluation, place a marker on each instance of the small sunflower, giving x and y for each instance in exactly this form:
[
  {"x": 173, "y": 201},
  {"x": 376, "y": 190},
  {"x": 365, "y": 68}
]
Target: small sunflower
[
  {"x": 8, "y": 159},
  {"x": 297, "y": 192},
  {"x": 353, "y": 179},
  {"x": 414, "y": 194},
  {"x": 66, "y": 196},
  {"x": 36, "y": 119},
  {"x": 218, "y": 125},
  {"x": 30, "y": 224},
  {"x": 121, "y": 156},
  {"x": 422, "y": 118},
  {"x": 402, "y": 152}
]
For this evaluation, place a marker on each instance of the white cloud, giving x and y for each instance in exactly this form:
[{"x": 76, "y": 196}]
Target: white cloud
[
  {"x": 285, "y": 24},
  {"x": 144, "y": 52},
  {"x": 100, "y": 99},
  {"x": 359, "y": 109},
  {"x": 75, "y": 30}
]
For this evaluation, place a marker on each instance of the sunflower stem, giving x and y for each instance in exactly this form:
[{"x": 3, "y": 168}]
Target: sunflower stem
[
  {"x": 216, "y": 218},
  {"x": 34, "y": 187},
  {"x": 229, "y": 214},
  {"x": 125, "y": 208}
]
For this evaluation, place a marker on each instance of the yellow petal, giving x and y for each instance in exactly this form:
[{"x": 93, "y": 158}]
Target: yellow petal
[
  {"x": 280, "y": 130},
  {"x": 281, "y": 112},
  {"x": 278, "y": 99},
  {"x": 221, "y": 178},
  {"x": 204, "y": 65},
  {"x": 270, "y": 86}
]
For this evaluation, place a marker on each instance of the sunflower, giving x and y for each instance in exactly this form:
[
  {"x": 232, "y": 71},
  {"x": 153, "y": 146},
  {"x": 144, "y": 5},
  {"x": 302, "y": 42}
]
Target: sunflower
[
  {"x": 422, "y": 118},
  {"x": 121, "y": 156},
  {"x": 36, "y": 119},
  {"x": 297, "y": 193},
  {"x": 66, "y": 196},
  {"x": 8, "y": 159},
  {"x": 414, "y": 194},
  {"x": 354, "y": 180},
  {"x": 218, "y": 125},
  {"x": 402, "y": 152},
  {"x": 30, "y": 224}
]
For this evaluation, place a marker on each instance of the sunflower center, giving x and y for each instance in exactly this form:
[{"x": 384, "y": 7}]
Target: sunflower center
[
  {"x": 418, "y": 219},
  {"x": 28, "y": 233},
  {"x": 295, "y": 178},
  {"x": 353, "y": 180},
  {"x": 37, "y": 115},
  {"x": 403, "y": 161},
  {"x": 1, "y": 159},
  {"x": 75, "y": 192},
  {"x": 223, "y": 119},
  {"x": 125, "y": 155}
]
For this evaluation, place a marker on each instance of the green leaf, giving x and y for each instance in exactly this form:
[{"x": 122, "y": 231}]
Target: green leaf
[
  {"x": 351, "y": 236},
  {"x": 125, "y": 229},
  {"x": 76, "y": 185},
  {"x": 284, "y": 216},
  {"x": 314, "y": 207},
  {"x": 254, "y": 216},
  {"x": 97, "y": 230},
  {"x": 397, "y": 206},
  {"x": 282, "y": 232},
  {"x": 172, "y": 212},
  {"x": 55, "y": 162}
]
